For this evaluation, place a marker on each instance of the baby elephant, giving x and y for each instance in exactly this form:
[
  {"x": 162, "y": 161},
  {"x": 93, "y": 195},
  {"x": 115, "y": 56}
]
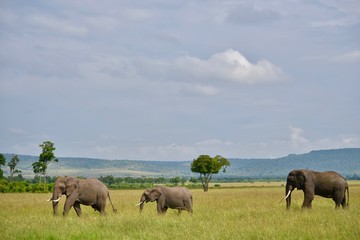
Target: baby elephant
[{"x": 168, "y": 197}]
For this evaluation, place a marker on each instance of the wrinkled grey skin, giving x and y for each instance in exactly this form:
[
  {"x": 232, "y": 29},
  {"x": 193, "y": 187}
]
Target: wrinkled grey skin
[
  {"x": 324, "y": 184},
  {"x": 90, "y": 192},
  {"x": 168, "y": 197}
]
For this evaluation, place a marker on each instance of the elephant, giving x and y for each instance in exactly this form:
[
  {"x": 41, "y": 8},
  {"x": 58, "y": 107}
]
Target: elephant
[
  {"x": 90, "y": 192},
  {"x": 168, "y": 197},
  {"x": 325, "y": 184}
]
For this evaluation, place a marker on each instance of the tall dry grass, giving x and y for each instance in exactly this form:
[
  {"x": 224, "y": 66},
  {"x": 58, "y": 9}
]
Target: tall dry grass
[{"x": 223, "y": 213}]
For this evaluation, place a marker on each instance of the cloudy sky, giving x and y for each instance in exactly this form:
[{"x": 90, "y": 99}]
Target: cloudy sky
[{"x": 170, "y": 80}]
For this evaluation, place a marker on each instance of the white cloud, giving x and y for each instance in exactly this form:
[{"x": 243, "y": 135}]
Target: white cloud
[
  {"x": 296, "y": 138},
  {"x": 229, "y": 65},
  {"x": 351, "y": 141},
  {"x": 334, "y": 143}
]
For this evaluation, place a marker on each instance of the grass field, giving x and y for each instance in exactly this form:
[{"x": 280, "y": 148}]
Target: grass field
[{"x": 237, "y": 211}]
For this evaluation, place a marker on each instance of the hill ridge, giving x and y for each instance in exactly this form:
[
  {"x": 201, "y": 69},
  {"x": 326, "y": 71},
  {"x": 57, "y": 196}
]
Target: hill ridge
[{"x": 346, "y": 161}]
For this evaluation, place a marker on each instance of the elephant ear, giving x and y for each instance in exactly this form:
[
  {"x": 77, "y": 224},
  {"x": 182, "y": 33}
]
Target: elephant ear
[
  {"x": 154, "y": 194},
  {"x": 291, "y": 176},
  {"x": 71, "y": 185},
  {"x": 301, "y": 179}
]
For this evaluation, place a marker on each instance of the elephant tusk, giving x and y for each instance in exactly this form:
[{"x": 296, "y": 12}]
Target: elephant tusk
[
  {"x": 288, "y": 194},
  {"x": 49, "y": 200},
  {"x": 140, "y": 203},
  {"x": 56, "y": 200}
]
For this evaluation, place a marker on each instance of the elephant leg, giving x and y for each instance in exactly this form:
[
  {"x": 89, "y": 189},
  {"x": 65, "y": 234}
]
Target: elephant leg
[
  {"x": 70, "y": 201},
  {"x": 188, "y": 206},
  {"x": 189, "y": 209},
  {"x": 308, "y": 198},
  {"x": 164, "y": 210},
  {"x": 101, "y": 206},
  {"x": 102, "y": 210},
  {"x": 77, "y": 209},
  {"x": 343, "y": 202},
  {"x": 339, "y": 198},
  {"x": 159, "y": 207},
  {"x": 337, "y": 204}
]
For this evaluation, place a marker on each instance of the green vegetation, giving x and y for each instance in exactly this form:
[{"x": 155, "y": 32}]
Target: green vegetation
[
  {"x": 12, "y": 165},
  {"x": 2, "y": 162},
  {"x": 24, "y": 186},
  {"x": 34, "y": 185},
  {"x": 45, "y": 158},
  {"x": 247, "y": 212},
  {"x": 207, "y": 166}
]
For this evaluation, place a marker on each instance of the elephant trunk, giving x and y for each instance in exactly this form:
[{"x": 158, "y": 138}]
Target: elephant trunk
[
  {"x": 55, "y": 201},
  {"x": 141, "y": 203},
  {"x": 55, "y": 208},
  {"x": 288, "y": 191}
]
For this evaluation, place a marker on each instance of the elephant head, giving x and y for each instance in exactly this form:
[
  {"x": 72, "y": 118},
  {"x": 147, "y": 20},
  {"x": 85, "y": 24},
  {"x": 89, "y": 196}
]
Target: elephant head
[
  {"x": 295, "y": 179},
  {"x": 63, "y": 185},
  {"x": 149, "y": 195}
]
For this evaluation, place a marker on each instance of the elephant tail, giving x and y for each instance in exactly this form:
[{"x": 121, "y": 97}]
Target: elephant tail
[
  {"x": 114, "y": 209},
  {"x": 348, "y": 197}
]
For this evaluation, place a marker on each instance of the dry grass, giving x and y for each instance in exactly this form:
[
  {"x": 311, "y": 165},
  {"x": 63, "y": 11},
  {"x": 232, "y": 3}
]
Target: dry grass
[{"x": 230, "y": 213}]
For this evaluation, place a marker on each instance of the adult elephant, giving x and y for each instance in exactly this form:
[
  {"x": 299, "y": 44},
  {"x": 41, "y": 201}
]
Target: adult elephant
[
  {"x": 168, "y": 197},
  {"x": 89, "y": 192},
  {"x": 325, "y": 184}
]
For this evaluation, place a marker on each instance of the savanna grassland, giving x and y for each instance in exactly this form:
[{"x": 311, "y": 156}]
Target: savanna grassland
[{"x": 243, "y": 211}]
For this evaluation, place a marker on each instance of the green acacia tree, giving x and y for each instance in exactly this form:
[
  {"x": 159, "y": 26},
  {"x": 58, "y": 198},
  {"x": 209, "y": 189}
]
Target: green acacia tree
[
  {"x": 12, "y": 164},
  {"x": 45, "y": 158},
  {"x": 2, "y": 162},
  {"x": 207, "y": 166}
]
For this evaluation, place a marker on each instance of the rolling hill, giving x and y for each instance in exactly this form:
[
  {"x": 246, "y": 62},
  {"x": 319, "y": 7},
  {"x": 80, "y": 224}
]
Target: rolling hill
[{"x": 345, "y": 161}]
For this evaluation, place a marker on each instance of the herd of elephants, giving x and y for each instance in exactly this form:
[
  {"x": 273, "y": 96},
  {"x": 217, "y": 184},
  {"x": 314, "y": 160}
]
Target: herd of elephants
[{"x": 92, "y": 192}]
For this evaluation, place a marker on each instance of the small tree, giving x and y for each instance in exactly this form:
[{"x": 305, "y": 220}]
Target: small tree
[
  {"x": 2, "y": 162},
  {"x": 45, "y": 158},
  {"x": 12, "y": 164},
  {"x": 175, "y": 181},
  {"x": 207, "y": 166}
]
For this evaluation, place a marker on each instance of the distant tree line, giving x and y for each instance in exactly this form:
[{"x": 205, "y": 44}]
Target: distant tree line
[
  {"x": 34, "y": 185},
  {"x": 145, "y": 182},
  {"x": 205, "y": 165}
]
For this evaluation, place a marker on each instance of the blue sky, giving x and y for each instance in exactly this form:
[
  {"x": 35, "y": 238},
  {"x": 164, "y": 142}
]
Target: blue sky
[{"x": 170, "y": 80}]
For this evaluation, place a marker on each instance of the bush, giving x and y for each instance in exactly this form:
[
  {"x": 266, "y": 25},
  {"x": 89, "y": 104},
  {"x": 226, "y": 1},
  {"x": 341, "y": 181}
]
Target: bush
[{"x": 24, "y": 186}]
